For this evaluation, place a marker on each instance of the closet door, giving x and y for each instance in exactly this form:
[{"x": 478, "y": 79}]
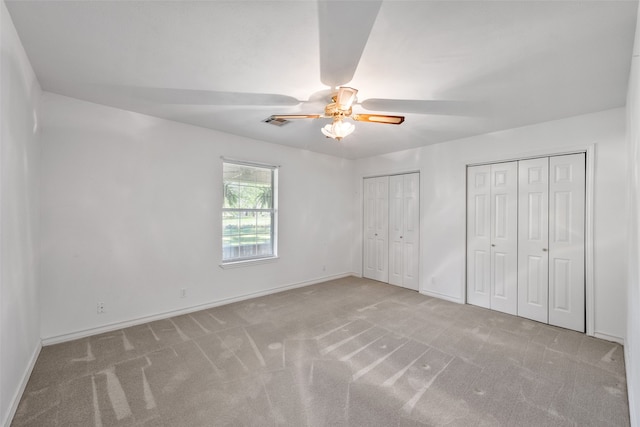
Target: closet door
[
  {"x": 404, "y": 230},
  {"x": 504, "y": 237},
  {"x": 533, "y": 239},
  {"x": 566, "y": 241},
  {"x": 479, "y": 235},
  {"x": 376, "y": 228}
]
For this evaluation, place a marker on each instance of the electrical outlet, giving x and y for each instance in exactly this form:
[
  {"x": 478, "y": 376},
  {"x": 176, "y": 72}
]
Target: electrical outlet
[
  {"x": 183, "y": 293},
  {"x": 100, "y": 307}
]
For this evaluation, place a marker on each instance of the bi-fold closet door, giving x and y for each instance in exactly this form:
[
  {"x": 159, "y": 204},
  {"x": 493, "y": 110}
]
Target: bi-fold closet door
[
  {"x": 376, "y": 228},
  {"x": 525, "y": 244},
  {"x": 492, "y": 243},
  {"x": 391, "y": 229}
]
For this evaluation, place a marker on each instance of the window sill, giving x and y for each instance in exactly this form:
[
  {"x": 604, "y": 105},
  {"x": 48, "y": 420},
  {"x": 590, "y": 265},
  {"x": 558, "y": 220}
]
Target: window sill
[{"x": 248, "y": 262}]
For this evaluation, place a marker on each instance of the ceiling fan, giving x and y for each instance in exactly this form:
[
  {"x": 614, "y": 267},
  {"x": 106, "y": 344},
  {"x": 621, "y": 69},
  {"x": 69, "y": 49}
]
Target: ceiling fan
[
  {"x": 339, "y": 109},
  {"x": 344, "y": 29}
]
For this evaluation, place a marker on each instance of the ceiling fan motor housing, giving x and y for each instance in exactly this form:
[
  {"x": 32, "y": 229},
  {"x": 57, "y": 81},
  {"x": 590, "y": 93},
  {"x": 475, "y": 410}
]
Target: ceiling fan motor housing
[{"x": 333, "y": 110}]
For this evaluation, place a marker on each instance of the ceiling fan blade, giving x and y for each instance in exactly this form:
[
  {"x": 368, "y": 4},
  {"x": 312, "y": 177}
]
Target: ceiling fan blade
[
  {"x": 345, "y": 97},
  {"x": 173, "y": 96},
  {"x": 378, "y": 118},
  {"x": 445, "y": 108},
  {"x": 344, "y": 30},
  {"x": 295, "y": 116}
]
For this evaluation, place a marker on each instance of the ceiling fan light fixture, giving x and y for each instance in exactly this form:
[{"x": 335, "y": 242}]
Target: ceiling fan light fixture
[
  {"x": 338, "y": 129},
  {"x": 346, "y": 97}
]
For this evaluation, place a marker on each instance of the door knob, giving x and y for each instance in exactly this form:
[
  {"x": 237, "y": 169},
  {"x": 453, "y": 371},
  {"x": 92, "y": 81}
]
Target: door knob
[
  {"x": 401, "y": 237},
  {"x": 493, "y": 244},
  {"x": 544, "y": 249},
  {"x": 376, "y": 234}
]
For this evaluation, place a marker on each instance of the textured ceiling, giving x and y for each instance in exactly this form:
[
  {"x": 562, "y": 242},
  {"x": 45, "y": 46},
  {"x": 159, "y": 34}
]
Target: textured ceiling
[{"x": 453, "y": 68}]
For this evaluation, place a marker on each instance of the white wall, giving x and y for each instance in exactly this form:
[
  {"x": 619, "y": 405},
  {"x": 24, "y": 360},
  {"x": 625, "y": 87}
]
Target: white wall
[
  {"x": 19, "y": 157},
  {"x": 632, "y": 341},
  {"x": 131, "y": 214},
  {"x": 443, "y": 199}
]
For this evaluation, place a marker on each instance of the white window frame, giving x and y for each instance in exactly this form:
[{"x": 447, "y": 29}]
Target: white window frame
[{"x": 259, "y": 259}]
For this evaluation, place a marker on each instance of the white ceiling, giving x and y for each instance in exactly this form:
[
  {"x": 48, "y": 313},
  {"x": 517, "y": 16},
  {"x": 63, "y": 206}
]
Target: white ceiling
[{"x": 453, "y": 68}]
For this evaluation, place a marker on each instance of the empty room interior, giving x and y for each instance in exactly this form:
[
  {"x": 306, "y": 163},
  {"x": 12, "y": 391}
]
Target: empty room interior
[{"x": 308, "y": 213}]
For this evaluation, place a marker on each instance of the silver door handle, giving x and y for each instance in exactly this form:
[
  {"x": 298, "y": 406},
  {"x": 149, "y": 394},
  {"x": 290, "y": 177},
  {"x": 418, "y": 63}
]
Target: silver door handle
[
  {"x": 544, "y": 249},
  {"x": 493, "y": 244}
]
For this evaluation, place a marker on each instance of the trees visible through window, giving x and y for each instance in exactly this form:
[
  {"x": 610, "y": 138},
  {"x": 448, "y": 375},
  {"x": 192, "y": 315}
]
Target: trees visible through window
[{"x": 248, "y": 212}]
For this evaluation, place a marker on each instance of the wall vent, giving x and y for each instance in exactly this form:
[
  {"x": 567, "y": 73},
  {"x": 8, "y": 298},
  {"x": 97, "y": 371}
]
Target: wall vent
[{"x": 275, "y": 121}]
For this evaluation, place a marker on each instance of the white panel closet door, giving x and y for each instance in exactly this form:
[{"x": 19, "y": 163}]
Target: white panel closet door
[
  {"x": 411, "y": 231},
  {"x": 376, "y": 228},
  {"x": 566, "y": 241},
  {"x": 396, "y": 228},
  {"x": 479, "y": 235},
  {"x": 504, "y": 237},
  {"x": 533, "y": 239},
  {"x": 404, "y": 230}
]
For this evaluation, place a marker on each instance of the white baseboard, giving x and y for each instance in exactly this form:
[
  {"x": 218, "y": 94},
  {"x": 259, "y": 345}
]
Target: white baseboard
[
  {"x": 441, "y": 296},
  {"x": 56, "y": 339},
  {"x": 608, "y": 337},
  {"x": 632, "y": 393},
  {"x": 23, "y": 385}
]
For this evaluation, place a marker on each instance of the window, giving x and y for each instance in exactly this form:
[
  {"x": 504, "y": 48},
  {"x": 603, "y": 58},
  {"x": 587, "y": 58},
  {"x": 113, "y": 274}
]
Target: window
[{"x": 248, "y": 212}]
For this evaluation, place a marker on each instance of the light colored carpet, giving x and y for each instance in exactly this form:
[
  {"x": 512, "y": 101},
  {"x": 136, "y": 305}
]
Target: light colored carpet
[{"x": 347, "y": 352}]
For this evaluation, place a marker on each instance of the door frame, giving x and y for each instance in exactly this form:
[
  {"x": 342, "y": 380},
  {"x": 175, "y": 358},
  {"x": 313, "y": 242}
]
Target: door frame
[{"x": 590, "y": 151}]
